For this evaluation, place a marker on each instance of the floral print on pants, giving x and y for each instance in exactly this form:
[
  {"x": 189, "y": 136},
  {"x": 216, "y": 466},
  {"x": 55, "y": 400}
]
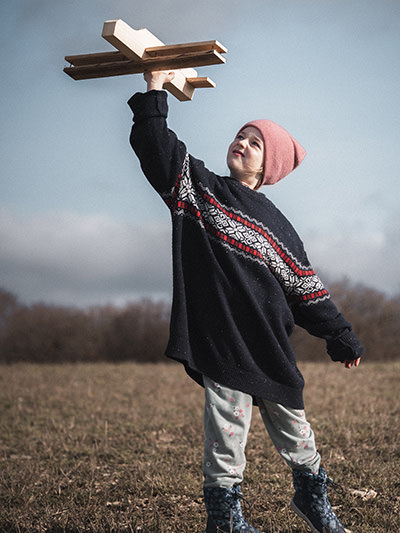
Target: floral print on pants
[{"x": 227, "y": 419}]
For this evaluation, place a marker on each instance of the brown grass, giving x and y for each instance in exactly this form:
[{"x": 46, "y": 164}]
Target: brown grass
[{"x": 102, "y": 447}]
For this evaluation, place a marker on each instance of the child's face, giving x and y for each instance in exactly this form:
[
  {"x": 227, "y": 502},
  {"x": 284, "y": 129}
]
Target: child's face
[{"x": 246, "y": 156}]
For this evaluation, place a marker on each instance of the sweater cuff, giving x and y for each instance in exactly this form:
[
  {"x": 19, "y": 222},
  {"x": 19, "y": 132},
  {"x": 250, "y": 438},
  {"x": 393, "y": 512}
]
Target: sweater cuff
[
  {"x": 148, "y": 105},
  {"x": 346, "y": 347}
]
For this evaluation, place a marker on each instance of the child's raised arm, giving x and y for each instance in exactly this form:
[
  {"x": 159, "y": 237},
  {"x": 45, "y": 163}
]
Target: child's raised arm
[{"x": 160, "y": 153}]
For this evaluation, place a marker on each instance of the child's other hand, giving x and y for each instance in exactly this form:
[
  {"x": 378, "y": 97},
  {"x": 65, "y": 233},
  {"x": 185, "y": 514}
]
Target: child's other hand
[
  {"x": 353, "y": 362},
  {"x": 155, "y": 80}
]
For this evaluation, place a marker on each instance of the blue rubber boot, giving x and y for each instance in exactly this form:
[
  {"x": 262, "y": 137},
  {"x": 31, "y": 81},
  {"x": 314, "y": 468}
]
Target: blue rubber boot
[
  {"x": 311, "y": 502},
  {"x": 225, "y": 511}
]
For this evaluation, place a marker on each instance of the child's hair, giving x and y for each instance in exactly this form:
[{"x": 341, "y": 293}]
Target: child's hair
[{"x": 260, "y": 177}]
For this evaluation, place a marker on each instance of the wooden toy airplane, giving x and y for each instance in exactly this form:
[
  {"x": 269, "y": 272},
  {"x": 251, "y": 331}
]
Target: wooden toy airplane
[{"x": 139, "y": 51}]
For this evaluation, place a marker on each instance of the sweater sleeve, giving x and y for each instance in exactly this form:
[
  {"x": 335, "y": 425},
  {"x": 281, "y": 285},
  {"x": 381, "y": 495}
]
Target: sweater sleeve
[
  {"x": 160, "y": 153},
  {"x": 321, "y": 318}
]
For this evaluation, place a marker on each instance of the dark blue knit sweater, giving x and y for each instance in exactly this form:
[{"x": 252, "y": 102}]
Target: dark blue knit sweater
[{"x": 241, "y": 277}]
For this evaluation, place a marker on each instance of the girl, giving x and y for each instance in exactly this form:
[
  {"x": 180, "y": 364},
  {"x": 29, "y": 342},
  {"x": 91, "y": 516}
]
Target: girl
[{"x": 241, "y": 281}]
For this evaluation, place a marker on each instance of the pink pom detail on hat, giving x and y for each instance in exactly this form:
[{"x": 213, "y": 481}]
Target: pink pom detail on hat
[{"x": 282, "y": 153}]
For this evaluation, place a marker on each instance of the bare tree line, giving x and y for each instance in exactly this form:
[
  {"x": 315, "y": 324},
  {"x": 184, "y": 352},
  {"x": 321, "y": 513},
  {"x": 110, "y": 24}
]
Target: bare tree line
[{"x": 44, "y": 333}]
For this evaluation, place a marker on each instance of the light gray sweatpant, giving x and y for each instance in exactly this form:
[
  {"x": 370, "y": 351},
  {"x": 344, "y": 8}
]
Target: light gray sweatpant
[{"x": 227, "y": 418}]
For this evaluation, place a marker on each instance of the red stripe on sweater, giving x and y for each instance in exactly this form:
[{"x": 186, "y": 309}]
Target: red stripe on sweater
[
  {"x": 248, "y": 249},
  {"x": 262, "y": 232}
]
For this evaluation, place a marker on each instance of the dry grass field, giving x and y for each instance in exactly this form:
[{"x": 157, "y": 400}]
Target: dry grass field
[{"x": 103, "y": 447}]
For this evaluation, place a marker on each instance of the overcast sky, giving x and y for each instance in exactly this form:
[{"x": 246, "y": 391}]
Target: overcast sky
[{"x": 79, "y": 225}]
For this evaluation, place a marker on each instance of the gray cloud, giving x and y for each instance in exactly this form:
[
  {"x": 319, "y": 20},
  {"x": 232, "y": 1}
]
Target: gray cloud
[
  {"x": 367, "y": 256},
  {"x": 83, "y": 259}
]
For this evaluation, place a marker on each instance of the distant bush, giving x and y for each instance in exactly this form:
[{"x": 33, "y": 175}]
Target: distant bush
[
  {"x": 45, "y": 333},
  {"x": 139, "y": 331}
]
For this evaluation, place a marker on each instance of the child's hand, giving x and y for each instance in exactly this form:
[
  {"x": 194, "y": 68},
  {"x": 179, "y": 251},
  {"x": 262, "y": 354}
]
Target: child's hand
[
  {"x": 155, "y": 80},
  {"x": 353, "y": 362}
]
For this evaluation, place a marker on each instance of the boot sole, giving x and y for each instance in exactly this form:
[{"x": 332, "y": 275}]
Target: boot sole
[{"x": 303, "y": 516}]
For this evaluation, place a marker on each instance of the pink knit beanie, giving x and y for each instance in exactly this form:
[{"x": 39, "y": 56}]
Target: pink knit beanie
[{"x": 282, "y": 153}]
